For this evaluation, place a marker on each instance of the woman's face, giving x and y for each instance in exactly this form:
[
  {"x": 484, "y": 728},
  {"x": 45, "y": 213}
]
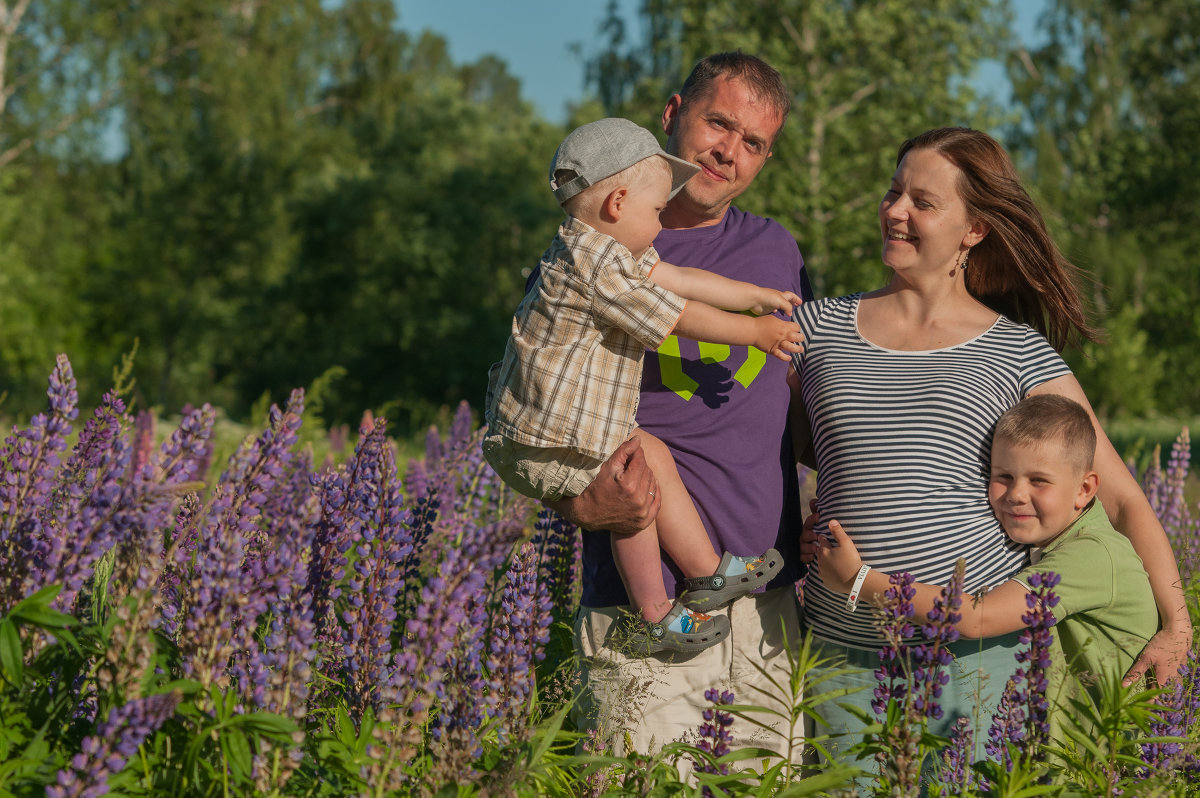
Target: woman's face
[{"x": 922, "y": 217}]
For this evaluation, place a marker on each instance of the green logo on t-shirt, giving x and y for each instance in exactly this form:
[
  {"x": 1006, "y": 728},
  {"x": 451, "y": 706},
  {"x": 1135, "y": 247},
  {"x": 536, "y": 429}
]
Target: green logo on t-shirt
[{"x": 670, "y": 364}]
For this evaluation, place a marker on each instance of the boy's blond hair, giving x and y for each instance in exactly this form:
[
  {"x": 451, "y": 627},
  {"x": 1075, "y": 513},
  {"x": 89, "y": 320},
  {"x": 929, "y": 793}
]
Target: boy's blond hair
[
  {"x": 1050, "y": 418},
  {"x": 585, "y": 205}
]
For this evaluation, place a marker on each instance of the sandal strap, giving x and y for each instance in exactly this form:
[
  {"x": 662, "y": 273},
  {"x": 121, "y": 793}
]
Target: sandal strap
[{"x": 711, "y": 582}]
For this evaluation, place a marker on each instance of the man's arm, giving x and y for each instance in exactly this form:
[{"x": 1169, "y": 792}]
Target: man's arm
[
  {"x": 623, "y": 498},
  {"x": 997, "y": 613}
]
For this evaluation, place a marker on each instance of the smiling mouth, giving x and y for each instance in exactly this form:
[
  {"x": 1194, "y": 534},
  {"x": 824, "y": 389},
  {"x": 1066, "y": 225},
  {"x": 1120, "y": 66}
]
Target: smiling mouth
[
  {"x": 712, "y": 174},
  {"x": 893, "y": 235}
]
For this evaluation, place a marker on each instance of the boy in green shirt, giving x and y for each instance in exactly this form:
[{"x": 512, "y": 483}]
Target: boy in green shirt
[{"x": 1042, "y": 489}]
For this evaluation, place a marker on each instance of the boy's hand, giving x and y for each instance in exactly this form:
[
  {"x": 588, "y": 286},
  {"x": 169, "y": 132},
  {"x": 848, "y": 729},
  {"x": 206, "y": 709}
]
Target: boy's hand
[
  {"x": 840, "y": 562},
  {"x": 778, "y": 337},
  {"x": 768, "y": 300}
]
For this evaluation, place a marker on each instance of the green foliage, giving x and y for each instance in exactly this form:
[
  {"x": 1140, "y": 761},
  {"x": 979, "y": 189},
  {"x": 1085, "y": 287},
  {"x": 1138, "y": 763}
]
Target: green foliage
[
  {"x": 1109, "y": 132},
  {"x": 259, "y": 192}
]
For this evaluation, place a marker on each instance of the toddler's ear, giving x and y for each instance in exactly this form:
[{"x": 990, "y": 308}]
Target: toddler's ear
[
  {"x": 1087, "y": 489},
  {"x": 614, "y": 204}
]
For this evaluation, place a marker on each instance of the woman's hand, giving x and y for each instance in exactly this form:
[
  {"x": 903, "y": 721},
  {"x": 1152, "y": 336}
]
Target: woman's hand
[{"x": 1162, "y": 657}]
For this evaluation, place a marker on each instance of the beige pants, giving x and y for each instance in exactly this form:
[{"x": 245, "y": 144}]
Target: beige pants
[{"x": 657, "y": 700}]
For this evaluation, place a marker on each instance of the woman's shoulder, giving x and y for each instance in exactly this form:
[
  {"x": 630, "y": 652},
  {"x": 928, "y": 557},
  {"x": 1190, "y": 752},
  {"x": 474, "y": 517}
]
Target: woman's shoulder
[
  {"x": 820, "y": 310},
  {"x": 1022, "y": 334}
]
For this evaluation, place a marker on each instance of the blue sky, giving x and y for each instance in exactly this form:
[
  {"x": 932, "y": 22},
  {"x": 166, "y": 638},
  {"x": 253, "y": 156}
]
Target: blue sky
[{"x": 533, "y": 37}]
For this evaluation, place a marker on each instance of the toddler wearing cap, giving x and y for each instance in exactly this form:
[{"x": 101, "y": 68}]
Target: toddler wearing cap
[{"x": 565, "y": 395}]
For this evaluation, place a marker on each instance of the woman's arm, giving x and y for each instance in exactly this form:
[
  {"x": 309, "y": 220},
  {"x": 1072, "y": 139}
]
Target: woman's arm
[
  {"x": 996, "y": 613},
  {"x": 1133, "y": 517}
]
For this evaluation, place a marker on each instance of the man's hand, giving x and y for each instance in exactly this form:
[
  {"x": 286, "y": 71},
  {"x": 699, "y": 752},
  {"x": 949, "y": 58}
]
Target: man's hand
[
  {"x": 623, "y": 497},
  {"x": 1162, "y": 657}
]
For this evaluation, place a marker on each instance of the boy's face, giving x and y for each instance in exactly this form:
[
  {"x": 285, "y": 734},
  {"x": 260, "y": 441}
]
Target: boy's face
[
  {"x": 644, "y": 201},
  {"x": 1036, "y": 491}
]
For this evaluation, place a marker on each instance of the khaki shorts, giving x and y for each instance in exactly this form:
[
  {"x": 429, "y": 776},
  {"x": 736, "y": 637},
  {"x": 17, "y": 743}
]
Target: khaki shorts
[
  {"x": 544, "y": 474},
  {"x": 656, "y": 700}
]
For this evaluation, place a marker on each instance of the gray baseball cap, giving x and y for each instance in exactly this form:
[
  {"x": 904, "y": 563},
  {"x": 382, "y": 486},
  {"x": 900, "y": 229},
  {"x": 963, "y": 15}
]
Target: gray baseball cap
[{"x": 600, "y": 149}]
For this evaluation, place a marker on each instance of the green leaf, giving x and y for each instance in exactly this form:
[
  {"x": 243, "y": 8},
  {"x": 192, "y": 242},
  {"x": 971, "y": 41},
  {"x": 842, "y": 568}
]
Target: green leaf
[
  {"x": 12, "y": 653},
  {"x": 236, "y": 749}
]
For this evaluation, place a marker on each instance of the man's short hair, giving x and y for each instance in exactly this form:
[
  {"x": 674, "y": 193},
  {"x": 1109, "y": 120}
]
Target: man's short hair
[
  {"x": 763, "y": 80},
  {"x": 1049, "y": 418}
]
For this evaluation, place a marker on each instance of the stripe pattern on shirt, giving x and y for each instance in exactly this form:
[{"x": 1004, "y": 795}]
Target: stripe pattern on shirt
[{"x": 903, "y": 442}]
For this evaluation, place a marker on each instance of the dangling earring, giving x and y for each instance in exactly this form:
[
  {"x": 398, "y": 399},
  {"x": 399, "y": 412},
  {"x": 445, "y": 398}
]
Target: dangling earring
[{"x": 963, "y": 266}]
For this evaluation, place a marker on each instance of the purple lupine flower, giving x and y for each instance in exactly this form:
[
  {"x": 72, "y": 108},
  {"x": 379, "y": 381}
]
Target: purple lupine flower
[
  {"x": 1036, "y": 658},
  {"x": 370, "y": 613},
  {"x": 1008, "y": 723},
  {"x": 958, "y": 758},
  {"x": 520, "y": 630},
  {"x": 267, "y": 462},
  {"x": 184, "y": 456},
  {"x": 441, "y": 644},
  {"x": 1179, "y": 713},
  {"x": 559, "y": 548},
  {"x": 221, "y": 595},
  {"x": 715, "y": 737},
  {"x": 83, "y": 516},
  {"x": 930, "y": 658},
  {"x": 28, "y": 463},
  {"x": 896, "y": 625},
  {"x": 185, "y": 535},
  {"x": 114, "y": 743},
  {"x": 1021, "y": 727}
]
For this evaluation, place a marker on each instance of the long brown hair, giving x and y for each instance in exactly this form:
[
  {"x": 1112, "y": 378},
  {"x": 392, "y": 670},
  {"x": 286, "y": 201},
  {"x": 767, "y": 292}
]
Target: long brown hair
[{"x": 1017, "y": 269}]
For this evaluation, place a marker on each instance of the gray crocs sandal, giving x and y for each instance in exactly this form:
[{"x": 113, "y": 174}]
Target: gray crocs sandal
[
  {"x": 641, "y": 638},
  {"x": 709, "y": 592}
]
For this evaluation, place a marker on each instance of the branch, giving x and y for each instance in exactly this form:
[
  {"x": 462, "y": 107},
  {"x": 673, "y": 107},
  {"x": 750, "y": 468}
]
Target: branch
[
  {"x": 9, "y": 20},
  {"x": 67, "y": 121}
]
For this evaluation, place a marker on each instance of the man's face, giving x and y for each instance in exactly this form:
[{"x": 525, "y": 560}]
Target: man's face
[{"x": 728, "y": 134}]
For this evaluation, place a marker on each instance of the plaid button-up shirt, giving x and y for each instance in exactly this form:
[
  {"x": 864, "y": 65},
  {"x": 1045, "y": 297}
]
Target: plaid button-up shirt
[{"x": 571, "y": 372}]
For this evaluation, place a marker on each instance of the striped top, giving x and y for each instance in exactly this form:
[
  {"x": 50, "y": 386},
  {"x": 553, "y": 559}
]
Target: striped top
[{"x": 903, "y": 442}]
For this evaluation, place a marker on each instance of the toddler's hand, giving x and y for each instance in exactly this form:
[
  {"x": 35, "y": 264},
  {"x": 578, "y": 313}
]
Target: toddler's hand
[
  {"x": 768, "y": 300},
  {"x": 778, "y": 337},
  {"x": 839, "y": 559}
]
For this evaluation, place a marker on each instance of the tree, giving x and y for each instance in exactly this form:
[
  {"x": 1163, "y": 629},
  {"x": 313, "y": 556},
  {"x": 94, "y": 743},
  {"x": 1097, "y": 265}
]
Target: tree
[{"x": 1112, "y": 109}]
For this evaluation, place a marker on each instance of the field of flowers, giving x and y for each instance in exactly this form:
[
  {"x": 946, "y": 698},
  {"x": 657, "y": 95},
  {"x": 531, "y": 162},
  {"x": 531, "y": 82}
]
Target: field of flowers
[{"x": 293, "y": 627}]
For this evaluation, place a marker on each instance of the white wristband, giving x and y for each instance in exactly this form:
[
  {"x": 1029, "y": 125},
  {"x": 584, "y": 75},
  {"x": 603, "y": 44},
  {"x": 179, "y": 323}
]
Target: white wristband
[{"x": 852, "y": 600}]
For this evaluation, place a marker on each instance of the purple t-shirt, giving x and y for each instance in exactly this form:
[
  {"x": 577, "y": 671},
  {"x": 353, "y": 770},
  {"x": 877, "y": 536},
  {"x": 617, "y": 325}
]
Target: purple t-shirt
[{"x": 722, "y": 411}]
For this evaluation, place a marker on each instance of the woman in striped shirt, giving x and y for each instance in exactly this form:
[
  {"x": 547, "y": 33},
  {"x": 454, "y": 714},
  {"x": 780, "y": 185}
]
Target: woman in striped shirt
[{"x": 902, "y": 387}]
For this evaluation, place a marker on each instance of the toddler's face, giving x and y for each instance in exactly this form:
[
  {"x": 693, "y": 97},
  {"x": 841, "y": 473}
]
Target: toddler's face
[
  {"x": 639, "y": 225},
  {"x": 1036, "y": 492}
]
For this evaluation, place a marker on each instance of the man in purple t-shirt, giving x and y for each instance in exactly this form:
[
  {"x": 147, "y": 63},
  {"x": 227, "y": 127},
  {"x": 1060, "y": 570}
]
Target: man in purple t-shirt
[{"x": 722, "y": 411}]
